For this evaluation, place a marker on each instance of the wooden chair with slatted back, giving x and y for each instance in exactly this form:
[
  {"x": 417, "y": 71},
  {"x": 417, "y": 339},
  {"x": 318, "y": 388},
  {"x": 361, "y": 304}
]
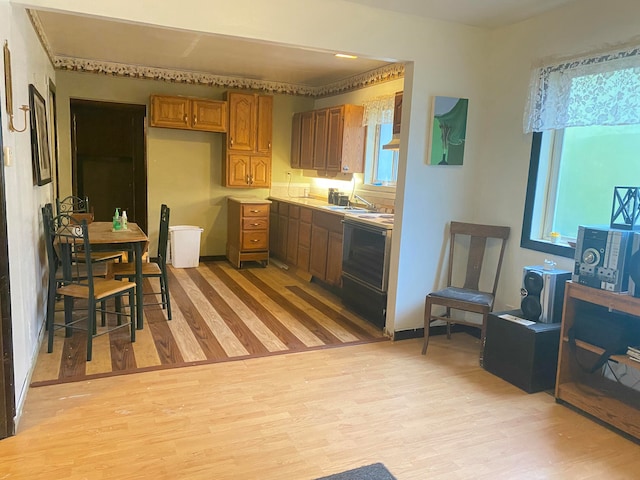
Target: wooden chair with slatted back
[
  {"x": 155, "y": 268},
  {"x": 83, "y": 291},
  {"x": 468, "y": 297}
]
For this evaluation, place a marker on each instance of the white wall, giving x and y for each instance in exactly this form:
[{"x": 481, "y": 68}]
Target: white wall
[
  {"x": 581, "y": 27},
  {"x": 27, "y": 265}
]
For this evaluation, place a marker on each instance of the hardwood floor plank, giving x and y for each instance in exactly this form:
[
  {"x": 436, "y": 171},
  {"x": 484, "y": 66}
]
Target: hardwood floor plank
[
  {"x": 314, "y": 326},
  {"x": 203, "y": 334},
  {"x": 242, "y": 332},
  {"x": 251, "y": 300},
  {"x": 219, "y": 315},
  {"x": 358, "y": 331},
  {"x": 238, "y": 303},
  {"x": 224, "y": 335}
]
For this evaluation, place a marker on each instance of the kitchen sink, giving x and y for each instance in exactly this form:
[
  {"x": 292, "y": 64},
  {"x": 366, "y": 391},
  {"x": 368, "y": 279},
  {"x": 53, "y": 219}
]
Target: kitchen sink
[{"x": 344, "y": 208}]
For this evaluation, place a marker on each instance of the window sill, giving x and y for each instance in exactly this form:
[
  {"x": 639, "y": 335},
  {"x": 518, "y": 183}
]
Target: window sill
[{"x": 559, "y": 249}]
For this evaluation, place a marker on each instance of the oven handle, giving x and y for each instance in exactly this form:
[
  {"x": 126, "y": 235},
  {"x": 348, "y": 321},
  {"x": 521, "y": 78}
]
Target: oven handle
[{"x": 367, "y": 227}]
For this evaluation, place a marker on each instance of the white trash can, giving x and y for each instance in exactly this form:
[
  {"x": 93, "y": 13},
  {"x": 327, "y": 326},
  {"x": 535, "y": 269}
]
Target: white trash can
[{"x": 185, "y": 245}]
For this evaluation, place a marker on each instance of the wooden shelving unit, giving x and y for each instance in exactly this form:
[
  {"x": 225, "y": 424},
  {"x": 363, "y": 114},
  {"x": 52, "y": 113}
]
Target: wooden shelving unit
[{"x": 607, "y": 400}]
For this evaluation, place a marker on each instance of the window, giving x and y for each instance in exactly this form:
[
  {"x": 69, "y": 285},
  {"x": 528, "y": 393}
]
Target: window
[
  {"x": 572, "y": 177},
  {"x": 381, "y": 164},
  {"x": 586, "y": 122}
]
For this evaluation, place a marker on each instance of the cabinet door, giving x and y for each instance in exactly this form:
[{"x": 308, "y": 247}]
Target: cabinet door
[
  {"x": 273, "y": 226},
  {"x": 292, "y": 240},
  {"x": 209, "y": 115},
  {"x": 170, "y": 112},
  {"x": 334, "y": 138},
  {"x": 307, "y": 126},
  {"x": 321, "y": 124},
  {"x": 265, "y": 124},
  {"x": 319, "y": 247},
  {"x": 283, "y": 229},
  {"x": 242, "y": 122},
  {"x": 334, "y": 259},
  {"x": 260, "y": 172},
  {"x": 238, "y": 170},
  {"x": 295, "y": 140},
  {"x": 304, "y": 238}
]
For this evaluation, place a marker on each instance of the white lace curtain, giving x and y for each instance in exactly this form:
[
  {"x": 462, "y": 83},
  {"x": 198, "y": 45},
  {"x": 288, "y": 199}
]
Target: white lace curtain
[
  {"x": 601, "y": 89},
  {"x": 378, "y": 110}
]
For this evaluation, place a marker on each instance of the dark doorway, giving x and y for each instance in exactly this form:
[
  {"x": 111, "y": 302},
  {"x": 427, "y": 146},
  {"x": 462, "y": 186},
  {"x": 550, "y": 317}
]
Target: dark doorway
[
  {"x": 109, "y": 166},
  {"x": 7, "y": 382}
]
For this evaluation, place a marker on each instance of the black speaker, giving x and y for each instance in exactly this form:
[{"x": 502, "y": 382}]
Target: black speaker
[
  {"x": 542, "y": 294},
  {"x": 522, "y": 354}
]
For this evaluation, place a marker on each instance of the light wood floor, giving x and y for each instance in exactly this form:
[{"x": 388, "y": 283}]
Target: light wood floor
[
  {"x": 219, "y": 314},
  {"x": 305, "y": 415}
]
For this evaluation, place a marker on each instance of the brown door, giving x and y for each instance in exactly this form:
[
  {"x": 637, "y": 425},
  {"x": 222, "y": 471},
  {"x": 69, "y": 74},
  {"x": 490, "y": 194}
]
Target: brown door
[
  {"x": 109, "y": 167},
  {"x": 7, "y": 387}
]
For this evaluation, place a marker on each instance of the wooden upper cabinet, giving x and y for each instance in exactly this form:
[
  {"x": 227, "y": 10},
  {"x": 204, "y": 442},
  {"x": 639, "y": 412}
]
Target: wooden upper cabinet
[
  {"x": 209, "y": 115},
  {"x": 188, "y": 113},
  {"x": 397, "y": 113},
  {"x": 329, "y": 140},
  {"x": 242, "y": 121},
  {"x": 264, "y": 131},
  {"x": 295, "y": 140},
  {"x": 321, "y": 124},
  {"x": 248, "y": 146}
]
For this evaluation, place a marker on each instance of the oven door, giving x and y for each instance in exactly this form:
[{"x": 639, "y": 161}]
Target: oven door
[{"x": 365, "y": 254}]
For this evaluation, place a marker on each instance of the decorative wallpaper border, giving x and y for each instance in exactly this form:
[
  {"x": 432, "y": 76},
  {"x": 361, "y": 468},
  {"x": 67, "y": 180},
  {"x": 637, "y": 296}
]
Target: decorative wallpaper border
[{"x": 373, "y": 77}]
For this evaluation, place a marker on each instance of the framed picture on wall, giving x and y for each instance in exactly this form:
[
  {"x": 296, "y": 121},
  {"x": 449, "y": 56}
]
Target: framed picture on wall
[
  {"x": 40, "y": 153},
  {"x": 448, "y": 130}
]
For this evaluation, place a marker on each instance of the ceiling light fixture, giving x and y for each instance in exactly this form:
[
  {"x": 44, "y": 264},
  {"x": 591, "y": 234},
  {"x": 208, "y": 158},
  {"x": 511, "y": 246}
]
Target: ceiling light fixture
[{"x": 345, "y": 55}]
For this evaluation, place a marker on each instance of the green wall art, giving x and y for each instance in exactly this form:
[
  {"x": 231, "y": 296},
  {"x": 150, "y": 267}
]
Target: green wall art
[{"x": 448, "y": 131}]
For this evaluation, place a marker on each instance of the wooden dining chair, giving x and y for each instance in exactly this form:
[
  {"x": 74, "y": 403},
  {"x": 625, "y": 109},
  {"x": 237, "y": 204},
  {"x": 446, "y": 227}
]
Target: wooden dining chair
[
  {"x": 155, "y": 268},
  {"x": 467, "y": 297},
  {"x": 80, "y": 285}
]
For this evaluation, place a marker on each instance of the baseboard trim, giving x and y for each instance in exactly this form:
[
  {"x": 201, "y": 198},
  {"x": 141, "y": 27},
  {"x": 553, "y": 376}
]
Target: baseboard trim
[{"x": 435, "y": 330}]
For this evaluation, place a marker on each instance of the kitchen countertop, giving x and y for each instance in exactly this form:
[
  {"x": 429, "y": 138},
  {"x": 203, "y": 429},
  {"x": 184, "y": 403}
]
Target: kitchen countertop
[{"x": 312, "y": 202}]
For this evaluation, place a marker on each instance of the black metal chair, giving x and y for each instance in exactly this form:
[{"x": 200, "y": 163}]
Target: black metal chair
[
  {"x": 80, "y": 289},
  {"x": 155, "y": 268}
]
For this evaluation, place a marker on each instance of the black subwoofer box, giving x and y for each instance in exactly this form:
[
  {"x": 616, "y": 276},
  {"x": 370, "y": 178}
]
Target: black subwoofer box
[{"x": 524, "y": 355}]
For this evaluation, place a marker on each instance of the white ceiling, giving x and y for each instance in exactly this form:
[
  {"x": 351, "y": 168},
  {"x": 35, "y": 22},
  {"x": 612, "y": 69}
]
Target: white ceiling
[{"x": 91, "y": 38}]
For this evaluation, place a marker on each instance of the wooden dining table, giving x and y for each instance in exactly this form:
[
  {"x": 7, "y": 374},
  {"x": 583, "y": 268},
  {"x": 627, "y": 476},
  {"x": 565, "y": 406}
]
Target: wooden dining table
[{"x": 102, "y": 236}]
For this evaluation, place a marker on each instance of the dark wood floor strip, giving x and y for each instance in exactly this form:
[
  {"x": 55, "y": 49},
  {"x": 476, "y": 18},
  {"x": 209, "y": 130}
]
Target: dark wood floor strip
[
  {"x": 203, "y": 334},
  {"x": 303, "y": 317},
  {"x": 352, "y": 326},
  {"x": 270, "y": 321},
  {"x": 74, "y": 355},
  {"x": 240, "y": 329},
  {"x": 166, "y": 345}
]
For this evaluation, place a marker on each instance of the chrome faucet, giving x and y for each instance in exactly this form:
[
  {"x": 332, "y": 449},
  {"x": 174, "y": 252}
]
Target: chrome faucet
[{"x": 369, "y": 205}]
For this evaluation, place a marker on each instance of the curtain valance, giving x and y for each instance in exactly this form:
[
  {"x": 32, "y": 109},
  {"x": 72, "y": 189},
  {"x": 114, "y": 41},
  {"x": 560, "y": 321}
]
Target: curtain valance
[
  {"x": 378, "y": 110},
  {"x": 602, "y": 89}
]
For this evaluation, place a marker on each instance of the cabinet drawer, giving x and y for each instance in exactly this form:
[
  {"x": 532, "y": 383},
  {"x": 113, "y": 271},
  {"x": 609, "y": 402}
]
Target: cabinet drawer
[
  {"x": 255, "y": 223},
  {"x": 255, "y": 210},
  {"x": 255, "y": 240}
]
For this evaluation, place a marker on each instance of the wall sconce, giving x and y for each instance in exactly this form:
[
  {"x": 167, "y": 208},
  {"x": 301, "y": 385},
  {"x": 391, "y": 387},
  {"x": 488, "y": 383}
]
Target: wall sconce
[{"x": 9, "y": 91}]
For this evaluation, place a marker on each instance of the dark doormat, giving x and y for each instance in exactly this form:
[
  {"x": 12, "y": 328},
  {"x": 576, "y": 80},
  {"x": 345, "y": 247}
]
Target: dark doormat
[{"x": 377, "y": 471}]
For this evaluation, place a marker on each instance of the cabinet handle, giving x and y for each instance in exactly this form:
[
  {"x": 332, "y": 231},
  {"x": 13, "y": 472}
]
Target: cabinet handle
[
  {"x": 255, "y": 224},
  {"x": 195, "y": 119},
  {"x": 186, "y": 118},
  {"x": 254, "y": 240},
  {"x": 255, "y": 211},
  {"x": 231, "y": 141},
  {"x": 248, "y": 177},
  {"x": 269, "y": 145}
]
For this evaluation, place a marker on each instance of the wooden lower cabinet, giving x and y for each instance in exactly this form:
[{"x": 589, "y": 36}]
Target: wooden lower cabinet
[
  {"x": 293, "y": 227},
  {"x": 247, "y": 230},
  {"x": 304, "y": 238},
  {"x": 325, "y": 261}
]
